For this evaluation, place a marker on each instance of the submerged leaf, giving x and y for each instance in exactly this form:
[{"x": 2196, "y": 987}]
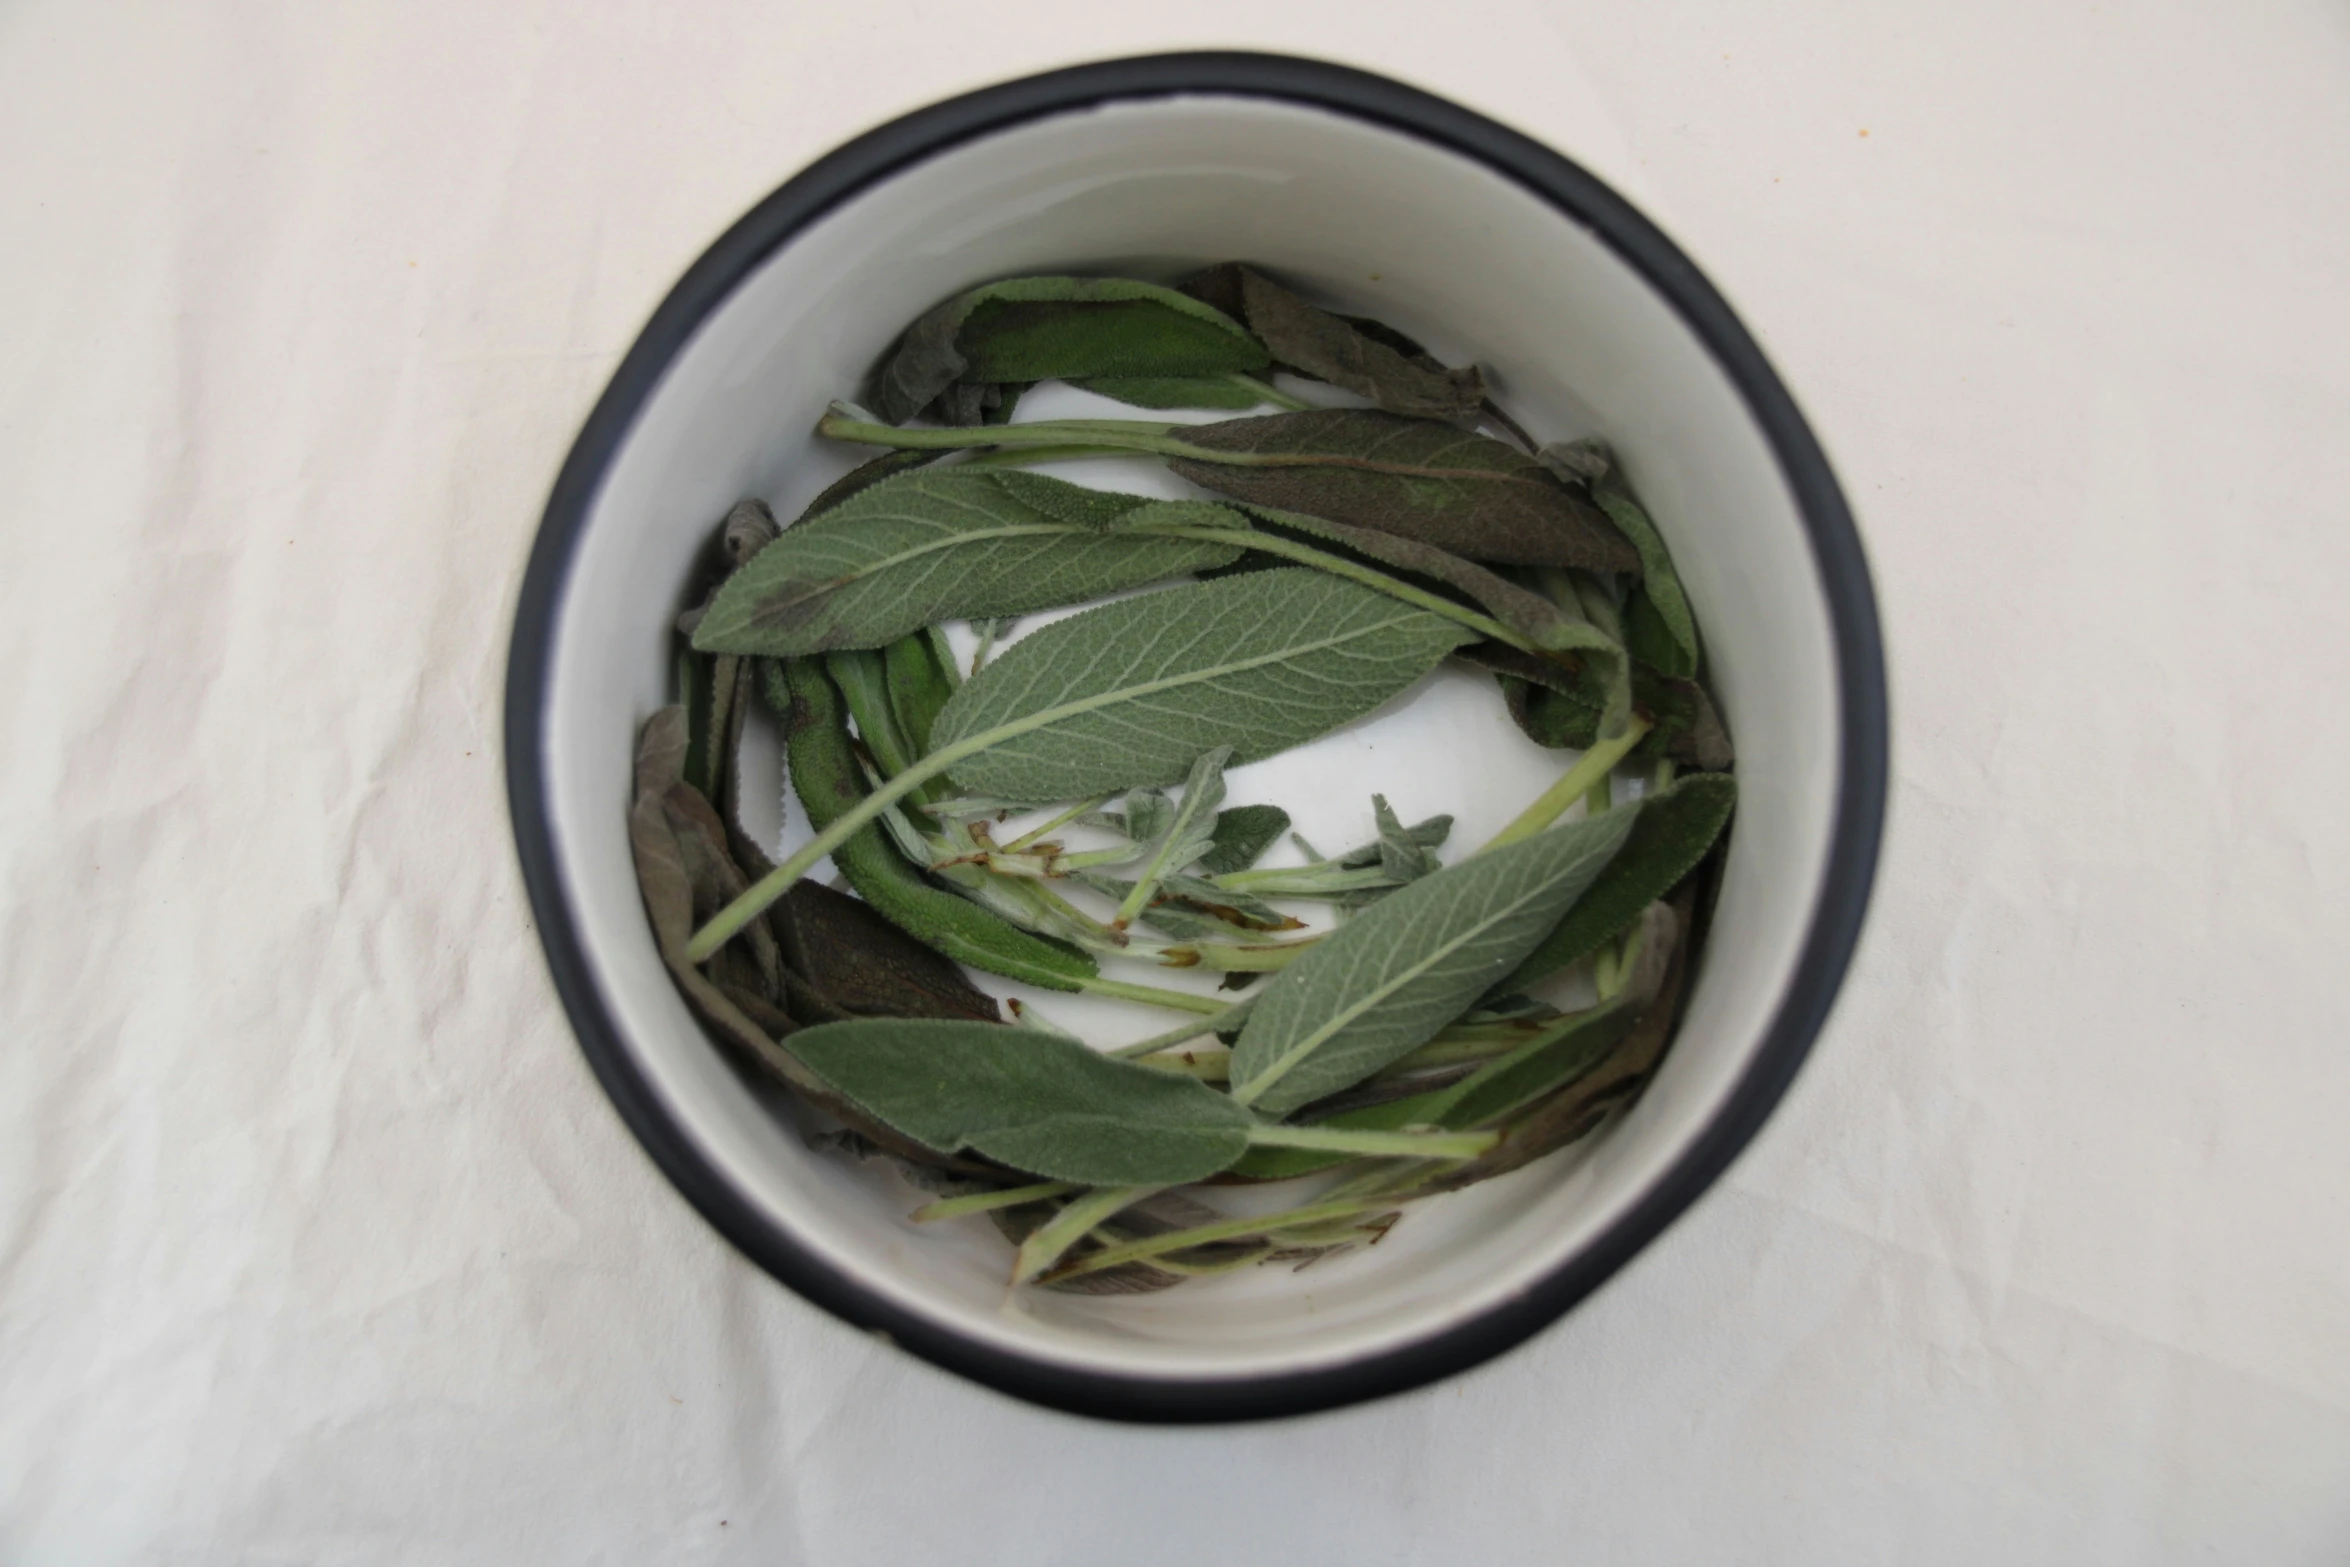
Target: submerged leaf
[
  {"x": 1130, "y": 693},
  {"x": 924, "y": 547},
  {"x": 1031, "y": 1100},
  {"x": 1333, "y": 348},
  {"x": 1672, "y": 832},
  {"x": 1384, "y": 982},
  {"x": 1036, "y": 328},
  {"x": 1459, "y": 491}
]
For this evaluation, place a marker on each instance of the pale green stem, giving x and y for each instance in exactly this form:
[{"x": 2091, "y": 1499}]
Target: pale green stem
[
  {"x": 1062, "y": 820},
  {"x": 1664, "y": 774},
  {"x": 1153, "y": 995},
  {"x": 1275, "y": 881},
  {"x": 1071, "y": 1225},
  {"x": 1599, "y": 796},
  {"x": 1204, "y": 1234},
  {"x": 1452, "y": 1048},
  {"x": 1197, "y": 1270},
  {"x": 1339, "y": 566},
  {"x": 1376, "y": 1145},
  {"x": 1038, "y": 456},
  {"x": 1270, "y": 393},
  {"x": 1213, "y": 1067},
  {"x": 1182, "y": 1033},
  {"x": 988, "y": 1202},
  {"x": 1222, "y": 959},
  {"x": 1618, "y": 971},
  {"x": 1577, "y": 780},
  {"x": 728, "y": 922},
  {"x": 1606, "y": 962},
  {"x": 987, "y": 631},
  {"x": 1026, "y": 1016}
]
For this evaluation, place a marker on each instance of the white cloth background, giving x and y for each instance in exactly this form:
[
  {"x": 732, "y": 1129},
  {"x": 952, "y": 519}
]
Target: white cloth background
[{"x": 317, "y": 1240}]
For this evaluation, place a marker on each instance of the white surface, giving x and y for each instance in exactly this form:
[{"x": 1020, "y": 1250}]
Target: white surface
[
  {"x": 1578, "y": 345},
  {"x": 320, "y": 1244}
]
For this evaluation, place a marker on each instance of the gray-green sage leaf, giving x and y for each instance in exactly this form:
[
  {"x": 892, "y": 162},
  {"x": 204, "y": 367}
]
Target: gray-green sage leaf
[
  {"x": 1384, "y": 982},
  {"x": 1671, "y": 834},
  {"x": 1035, "y": 1102},
  {"x": 924, "y": 547},
  {"x": 1130, "y": 693}
]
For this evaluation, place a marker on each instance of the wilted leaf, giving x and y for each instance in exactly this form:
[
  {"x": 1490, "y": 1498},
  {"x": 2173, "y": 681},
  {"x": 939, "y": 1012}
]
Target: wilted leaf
[
  {"x": 1333, "y": 348},
  {"x": 1459, "y": 491},
  {"x": 1658, "y": 621},
  {"x": 1242, "y": 835},
  {"x": 864, "y": 966}
]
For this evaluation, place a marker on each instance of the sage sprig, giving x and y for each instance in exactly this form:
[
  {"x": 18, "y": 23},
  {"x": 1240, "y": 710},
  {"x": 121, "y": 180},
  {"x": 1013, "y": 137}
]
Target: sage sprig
[
  {"x": 1053, "y": 810},
  {"x": 1388, "y": 979}
]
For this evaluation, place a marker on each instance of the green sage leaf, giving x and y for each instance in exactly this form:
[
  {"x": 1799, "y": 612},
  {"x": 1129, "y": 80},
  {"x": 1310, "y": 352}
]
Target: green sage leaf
[
  {"x": 1672, "y": 832},
  {"x": 1401, "y": 853},
  {"x": 1242, "y": 836},
  {"x": 924, "y": 547},
  {"x": 1039, "y": 328},
  {"x": 1459, "y": 491},
  {"x": 863, "y": 477},
  {"x": 1576, "y": 1109},
  {"x": 1688, "y": 728},
  {"x": 1199, "y": 391},
  {"x": 1393, "y": 1115},
  {"x": 1188, "y": 833},
  {"x": 825, "y": 775},
  {"x": 1332, "y": 348},
  {"x": 921, "y": 674},
  {"x": 1130, "y": 693},
  {"x": 1568, "y": 1048},
  {"x": 1034, "y": 1101},
  {"x": 1659, "y": 622},
  {"x": 1384, "y": 982}
]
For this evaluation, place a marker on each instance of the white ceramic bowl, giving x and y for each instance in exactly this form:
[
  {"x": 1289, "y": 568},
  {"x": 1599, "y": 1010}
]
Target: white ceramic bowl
[{"x": 1490, "y": 247}]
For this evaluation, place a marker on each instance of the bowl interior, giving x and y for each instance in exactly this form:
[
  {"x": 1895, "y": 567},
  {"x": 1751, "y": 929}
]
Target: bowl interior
[{"x": 1370, "y": 217}]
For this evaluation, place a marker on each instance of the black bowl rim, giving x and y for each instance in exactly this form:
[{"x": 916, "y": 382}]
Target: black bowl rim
[{"x": 1843, "y": 569}]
